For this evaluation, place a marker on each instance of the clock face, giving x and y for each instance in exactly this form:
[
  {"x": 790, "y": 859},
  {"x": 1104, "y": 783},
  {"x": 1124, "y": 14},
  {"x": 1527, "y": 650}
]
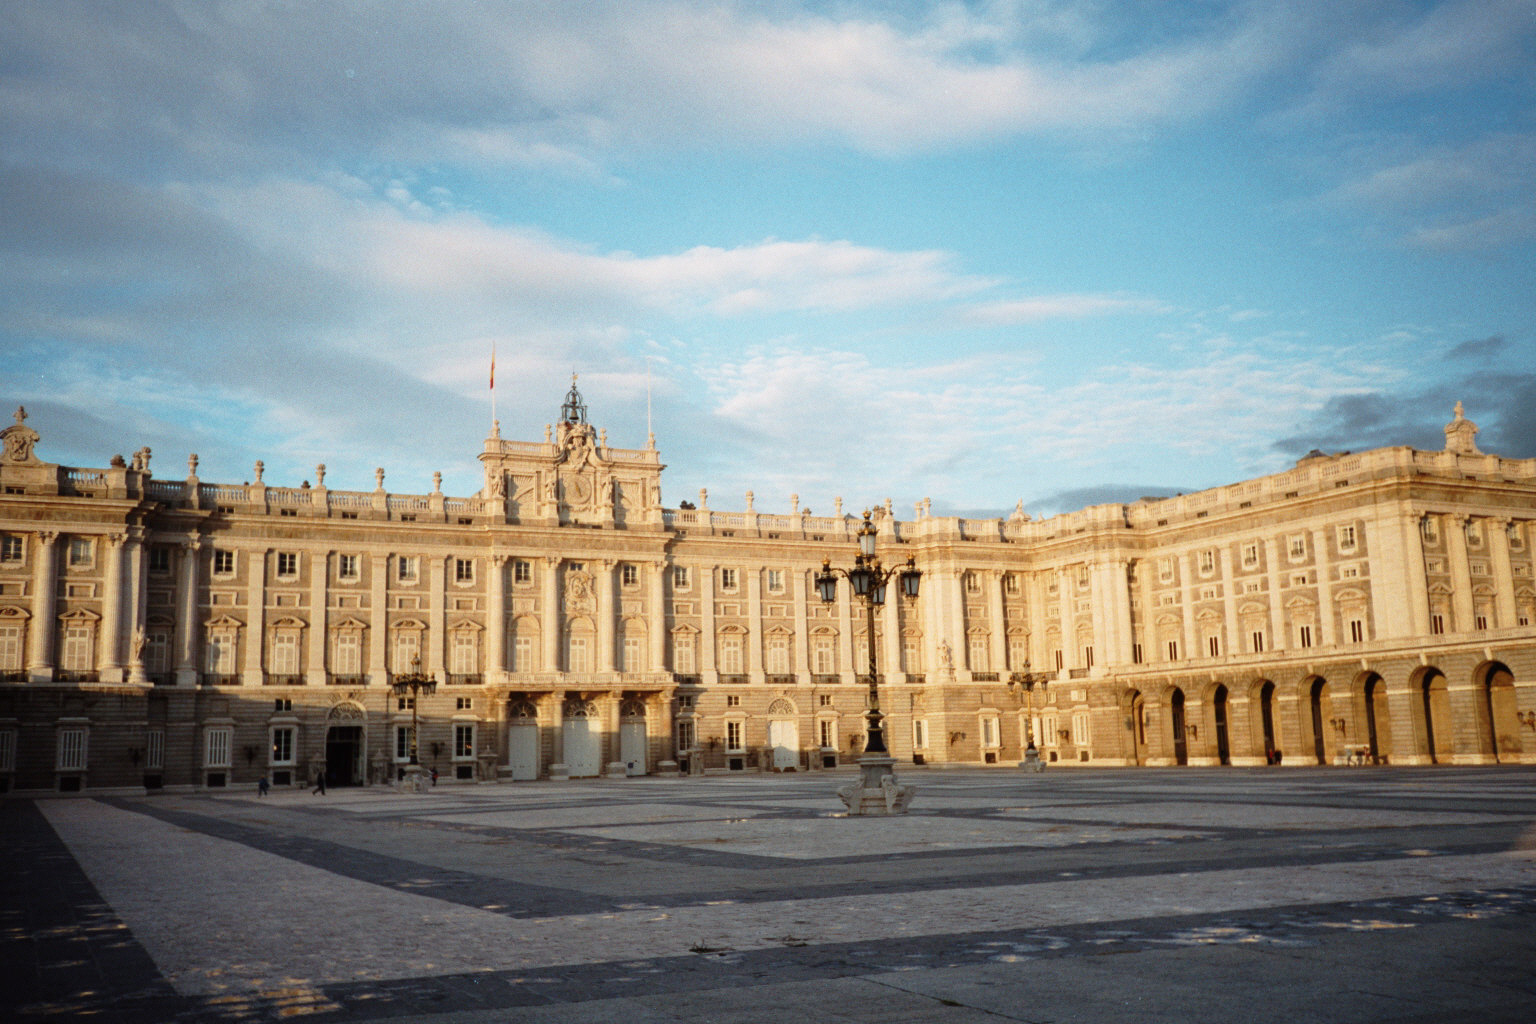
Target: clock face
[{"x": 576, "y": 489}]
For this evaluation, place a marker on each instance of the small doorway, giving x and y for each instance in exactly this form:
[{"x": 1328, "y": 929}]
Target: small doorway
[
  {"x": 1223, "y": 749},
  {"x": 1376, "y": 705},
  {"x": 582, "y": 741},
  {"x": 1267, "y": 720},
  {"x": 523, "y": 742},
  {"x": 344, "y": 755},
  {"x": 1437, "y": 716},
  {"x": 1180, "y": 746},
  {"x": 1319, "y": 738},
  {"x": 1138, "y": 725},
  {"x": 784, "y": 738},
  {"x": 633, "y": 738}
]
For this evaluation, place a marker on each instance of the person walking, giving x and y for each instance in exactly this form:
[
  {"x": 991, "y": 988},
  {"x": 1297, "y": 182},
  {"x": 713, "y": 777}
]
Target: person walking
[
  {"x": 262, "y": 786},
  {"x": 319, "y": 783}
]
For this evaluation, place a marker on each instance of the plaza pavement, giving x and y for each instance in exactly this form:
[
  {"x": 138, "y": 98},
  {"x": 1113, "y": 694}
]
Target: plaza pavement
[{"x": 1288, "y": 895}]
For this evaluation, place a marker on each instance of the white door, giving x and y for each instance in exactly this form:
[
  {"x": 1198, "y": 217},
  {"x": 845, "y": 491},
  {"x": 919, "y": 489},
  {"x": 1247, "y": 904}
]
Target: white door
[
  {"x": 632, "y": 747},
  {"x": 523, "y": 747},
  {"x": 581, "y": 747},
  {"x": 784, "y": 738}
]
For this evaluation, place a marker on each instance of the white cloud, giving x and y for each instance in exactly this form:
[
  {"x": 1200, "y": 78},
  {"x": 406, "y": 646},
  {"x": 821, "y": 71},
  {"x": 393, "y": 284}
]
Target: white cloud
[{"x": 1060, "y": 307}]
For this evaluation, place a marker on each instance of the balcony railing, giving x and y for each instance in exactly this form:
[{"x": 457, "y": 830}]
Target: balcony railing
[
  {"x": 335, "y": 680},
  {"x": 733, "y": 679},
  {"x": 984, "y": 677},
  {"x": 286, "y": 680},
  {"x": 465, "y": 678},
  {"x": 91, "y": 676},
  {"x": 779, "y": 679},
  {"x": 220, "y": 679}
]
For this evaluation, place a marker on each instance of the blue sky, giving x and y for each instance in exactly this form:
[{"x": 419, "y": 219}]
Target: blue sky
[{"x": 980, "y": 252}]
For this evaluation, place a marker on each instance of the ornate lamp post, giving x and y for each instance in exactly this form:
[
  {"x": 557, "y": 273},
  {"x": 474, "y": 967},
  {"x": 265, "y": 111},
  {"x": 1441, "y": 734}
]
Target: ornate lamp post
[
  {"x": 1028, "y": 681},
  {"x": 877, "y": 791},
  {"x": 414, "y": 683}
]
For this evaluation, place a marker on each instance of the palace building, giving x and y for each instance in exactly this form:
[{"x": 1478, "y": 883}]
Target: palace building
[{"x": 177, "y": 634}]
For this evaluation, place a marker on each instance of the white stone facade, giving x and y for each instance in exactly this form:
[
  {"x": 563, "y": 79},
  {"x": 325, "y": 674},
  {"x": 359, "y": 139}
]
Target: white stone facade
[{"x": 176, "y": 633}]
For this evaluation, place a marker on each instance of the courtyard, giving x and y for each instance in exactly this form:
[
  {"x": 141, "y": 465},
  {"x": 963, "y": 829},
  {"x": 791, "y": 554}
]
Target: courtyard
[{"x": 1317, "y": 894}]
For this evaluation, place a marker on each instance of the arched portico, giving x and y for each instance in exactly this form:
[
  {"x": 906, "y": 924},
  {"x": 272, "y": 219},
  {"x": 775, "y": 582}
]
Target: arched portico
[
  {"x": 1371, "y": 690},
  {"x": 1499, "y": 728},
  {"x": 1432, "y": 715}
]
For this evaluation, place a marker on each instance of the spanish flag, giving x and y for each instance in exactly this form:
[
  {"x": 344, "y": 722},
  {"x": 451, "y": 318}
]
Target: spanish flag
[{"x": 493, "y": 366}]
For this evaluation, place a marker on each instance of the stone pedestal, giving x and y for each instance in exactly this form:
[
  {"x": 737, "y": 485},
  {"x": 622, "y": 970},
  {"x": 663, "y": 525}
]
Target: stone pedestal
[
  {"x": 876, "y": 791},
  {"x": 559, "y": 773},
  {"x": 416, "y": 780},
  {"x": 617, "y": 770}
]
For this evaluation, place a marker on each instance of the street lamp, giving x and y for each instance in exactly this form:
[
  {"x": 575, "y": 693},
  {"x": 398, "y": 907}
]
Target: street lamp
[
  {"x": 415, "y": 683},
  {"x": 877, "y": 791}
]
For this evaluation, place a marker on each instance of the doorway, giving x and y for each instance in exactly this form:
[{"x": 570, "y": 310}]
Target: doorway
[
  {"x": 1223, "y": 748},
  {"x": 1180, "y": 747},
  {"x": 344, "y": 755},
  {"x": 1318, "y": 693}
]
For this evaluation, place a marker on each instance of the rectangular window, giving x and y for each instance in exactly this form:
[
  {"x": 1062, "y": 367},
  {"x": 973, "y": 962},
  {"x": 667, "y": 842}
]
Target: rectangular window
[
  {"x": 70, "y": 756},
  {"x": 733, "y": 732},
  {"x": 682, "y": 654},
  {"x": 1356, "y": 631},
  {"x": 1080, "y": 729},
  {"x": 1011, "y": 583},
  {"x": 10, "y": 548},
  {"x": 1250, "y": 556},
  {"x": 1018, "y": 652},
  {"x": 216, "y": 747},
  {"x": 1165, "y": 570},
  {"x": 919, "y": 734},
  {"x": 1088, "y": 656},
  {"x": 680, "y": 577},
  {"x": 684, "y": 735},
  {"x": 733, "y": 700},
  {"x": 823, "y": 656},
  {"x": 221, "y": 653},
  {"x": 828, "y": 733},
  {"x": 463, "y": 741},
  {"x": 629, "y": 574},
  {"x": 989, "y": 732},
  {"x": 159, "y": 558},
  {"x": 1298, "y": 547},
  {"x": 1060, "y": 661},
  {"x": 730, "y": 655},
  {"x": 464, "y": 703},
  {"x": 522, "y": 654},
  {"x": 522, "y": 571},
  {"x": 463, "y": 570},
  {"x": 1213, "y": 646},
  {"x": 1346, "y": 535},
  {"x": 972, "y": 583},
  {"x": 154, "y": 750},
  {"x": 1256, "y": 641},
  {"x": 7, "y": 750},
  {"x": 407, "y": 651},
  {"x": 727, "y": 579},
  {"x": 223, "y": 563},
  {"x": 978, "y": 654},
  {"x": 80, "y": 551},
  {"x": 285, "y": 653},
  {"x": 911, "y": 654},
  {"x": 466, "y": 653},
  {"x": 1431, "y": 529},
  {"x": 287, "y": 565},
  {"x": 347, "y": 654},
  {"x": 1437, "y": 623},
  {"x": 577, "y": 660},
  {"x": 10, "y": 648},
  {"x": 778, "y": 655},
  {"x": 402, "y": 743},
  {"x": 1136, "y": 653},
  {"x": 1207, "y": 562},
  {"x": 408, "y": 568},
  {"x": 346, "y": 567},
  {"x": 1304, "y": 636},
  {"x": 1481, "y": 620},
  {"x": 78, "y": 653},
  {"x": 634, "y": 652},
  {"x": 282, "y": 745},
  {"x": 1173, "y": 650},
  {"x": 776, "y": 581}
]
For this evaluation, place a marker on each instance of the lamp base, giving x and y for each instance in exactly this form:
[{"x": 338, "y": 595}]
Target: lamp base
[
  {"x": 876, "y": 792},
  {"x": 415, "y": 781}
]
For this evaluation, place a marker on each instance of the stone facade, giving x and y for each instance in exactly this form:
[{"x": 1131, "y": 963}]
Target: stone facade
[{"x": 181, "y": 634}]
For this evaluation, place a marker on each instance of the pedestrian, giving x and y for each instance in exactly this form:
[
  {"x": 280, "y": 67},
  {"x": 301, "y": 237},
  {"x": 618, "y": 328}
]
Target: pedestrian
[
  {"x": 434, "y": 776},
  {"x": 262, "y": 786},
  {"x": 319, "y": 783}
]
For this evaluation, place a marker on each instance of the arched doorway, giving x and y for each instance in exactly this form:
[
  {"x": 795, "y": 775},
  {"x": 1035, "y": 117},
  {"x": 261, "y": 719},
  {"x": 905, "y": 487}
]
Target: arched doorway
[
  {"x": 1435, "y": 699},
  {"x": 523, "y": 740},
  {"x": 633, "y": 738},
  {"x": 1378, "y": 720},
  {"x": 583, "y": 755},
  {"x": 783, "y": 735},
  {"x": 1137, "y": 723},
  {"x": 1219, "y": 707},
  {"x": 344, "y": 745},
  {"x": 1501, "y": 711},
  {"x": 1267, "y": 722},
  {"x": 1180, "y": 746},
  {"x": 1317, "y": 698}
]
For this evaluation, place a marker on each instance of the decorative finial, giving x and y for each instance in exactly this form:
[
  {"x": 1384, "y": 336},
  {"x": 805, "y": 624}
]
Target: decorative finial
[
  {"x": 749, "y": 502},
  {"x": 260, "y": 468},
  {"x": 192, "y": 464},
  {"x": 320, "y": 475},
  {"x": 21, "y": 415},
  {"x": 378, "y": 476},
  {"x": 437, "y": 482}
]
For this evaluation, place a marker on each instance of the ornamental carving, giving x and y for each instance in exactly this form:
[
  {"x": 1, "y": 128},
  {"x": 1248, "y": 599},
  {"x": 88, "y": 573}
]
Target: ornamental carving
[
  {"x": 346, "y": 711},
  {"x": 16, "y": 442},
  {"x": 580, "y": 594}
]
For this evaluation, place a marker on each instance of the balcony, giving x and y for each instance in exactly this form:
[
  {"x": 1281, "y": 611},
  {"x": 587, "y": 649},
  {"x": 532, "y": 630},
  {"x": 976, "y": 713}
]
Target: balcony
[
  {"x": 220, "y": 679},
  {"x": 91, "y": 676},
  {"x": 733, "y": 680},
  {"x": 335, "y": 680},
  {"x": 779, "y": 679},
  {"x": 465, "y": 678},
  {"x": 984, "y": 677},
  {"x": 284, "y": 680}
]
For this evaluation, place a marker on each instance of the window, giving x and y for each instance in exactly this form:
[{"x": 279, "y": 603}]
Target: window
[
  {"x": 402, "y": 743},
  {"x": 287, "y": 564},
  {"x": 1349, "y": 572},
  {"x": 828, "y": 732},
  {"x": 463, "y": 570},
  {"x": 1346, "y": 536},
  {"x": 1011, "y": 583},
  {"x": 70, "y": 755},
  {"x": 1018, "y": 652},
  {"x": 409, "y": 568},
  {"x": 285, "y": 652},
  {"x": 680, "y": 577},
  {"x": 682, "y": 653},
  {"x": 78, "y": 654},
  {"x": 634, "y": 654},
  {"x": 282, "y": 745},
  {"x": 1080, "y": 729},
  {"x": 1356, "y": 631},
  {"x": 154, "y": 749},
  {"x": 7, "y": 750},
  {"x": 404, "y": 703},
  {"x": 1298, "y": 547},
  {"x": 1165, "y": 570},
  {"x": 1136, "y": 653},
  {"x": 733, "y": 700},
  {"x": 1256, "y": 641},
  {"x": 216, "y": 747},
  {"x": 407, "y": 650},
  {"x": 778, "y": 655},
  {"x": 464, "y": 704},
  {"x": 1304, "y": 636},
  {"x": 347, "y": 653},
  {"x": 522, "y": 654},
  {"x": 1173, "y": 650},
  {"x": 159, "y": 558},
  {"x": 10, "y": 647},
  {"x": 80, "y": 551},
  {"x": 10, "y": 548},
  {"x": 346, "y": 568},
  {"x": 466, "y": 653},
  {"x": 1060, "y": 661},
  {"x": 522, "y": 571},
  {"x": 733, "y": 733},
  {"x": 776, "y": 581},
  {"x": 1475, "y": 532},
  {"x": 1437, "y": 623},
  {"x": 823, "y": 656},
  {"x": 1088, "y": 656},
  {"x": 282, "y": 704},
  {"x": 1207, "y": 562},
  {"x": 220, "y": 657},
  {"x": 972, "y": 583},
  {"x": 1480, "y": 621},
  {"x": 629, "y": 574},
  {"x": 727, "y": 579},
  {"x": 684, "y": 735},
  {"x": 1213, "y": 646},
  {"x": 223, "y": 563},
  {"x": 463, "y": 741},
  {"x": 825, "y": 699},
  {"x": 1250, "y": 556},
  {"x": 989, "y": 732},
  {"x": 577, "y": 655},
  {"x": 911, "y": 654},
  {"x": 919, "y": 734},
  {"x": 1431, "y": 529},
  {"x": 978, "y": 653}
]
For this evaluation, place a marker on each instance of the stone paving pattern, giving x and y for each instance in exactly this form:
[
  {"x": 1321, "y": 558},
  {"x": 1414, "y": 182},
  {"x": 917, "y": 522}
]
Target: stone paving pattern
[{"x": 1334, "y": 895}]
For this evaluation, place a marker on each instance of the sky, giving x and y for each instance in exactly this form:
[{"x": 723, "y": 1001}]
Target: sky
[{"x": 1058, "y": 253}]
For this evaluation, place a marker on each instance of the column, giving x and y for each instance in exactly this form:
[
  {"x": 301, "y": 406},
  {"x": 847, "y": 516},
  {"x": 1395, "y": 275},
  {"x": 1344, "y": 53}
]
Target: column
[
  {"x": 657, "y": 616},
  {"x": 1417, "y": 593},
  {"x": 1119, "y": 576},
  {"x": 108, "y": 644},
  {"x": 801, "y": 644},
  {"x": 890, "y": 644},
  {"x": 1189, "y": 567},
  {"x": 496, "y": 619},
  {"x": 845, "y": 658},
  {"x": 605, "y": 618},
  {"x": 1150, "y": 640},
  {"x": 1278, "y": 641},
  {"x": 707, "y": 623},
  {"x": 1503, "y": 574},
  {"x": 1461, "y": 574},
  {"x": 437, "y": 616},
  {"x": 255, "y": 615},
  {"x": 378, "y": 620},
  {"x": 319, "y": 576},
  {"x": 45, "y": 593},
  {"x": 550, "y": 618},
  {"x": 1066, "y": 612},
  {"x": 136, "y": 604},
  {"x": 1039, "y": 656},
  {"x": 754, "y": 583},
  {"x": 1324, "y": 586},
  {"x": 1234, "y": 641},
  {"x": 993, "y": 581},
  {"x": 186, "y": 612},
  {"x": 955, "y": 607}
]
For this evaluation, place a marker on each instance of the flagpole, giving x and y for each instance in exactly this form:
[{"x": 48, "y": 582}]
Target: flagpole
[{"x": 493, "y": 388}]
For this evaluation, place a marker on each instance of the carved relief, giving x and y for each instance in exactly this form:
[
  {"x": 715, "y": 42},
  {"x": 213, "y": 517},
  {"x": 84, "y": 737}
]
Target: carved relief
[
  {"x": 16, "y": 442},
  {"x": 580, "y": 596}
]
